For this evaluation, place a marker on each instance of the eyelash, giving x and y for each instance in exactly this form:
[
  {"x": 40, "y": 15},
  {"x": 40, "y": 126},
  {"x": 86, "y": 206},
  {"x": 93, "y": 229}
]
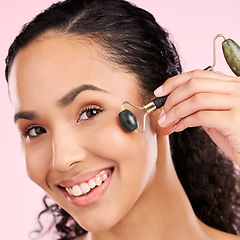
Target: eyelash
[
  {"x": 27, "y": 130},
  {"x": 87, "y": 109}
]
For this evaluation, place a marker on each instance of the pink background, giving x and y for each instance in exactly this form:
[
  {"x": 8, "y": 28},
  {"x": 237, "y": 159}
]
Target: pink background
[{"x": 193, "y": 25}]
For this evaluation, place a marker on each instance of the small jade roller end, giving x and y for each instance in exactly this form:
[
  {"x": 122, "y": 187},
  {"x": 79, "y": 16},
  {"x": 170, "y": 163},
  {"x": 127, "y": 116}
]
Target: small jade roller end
[{"x": 128, "y": 120}]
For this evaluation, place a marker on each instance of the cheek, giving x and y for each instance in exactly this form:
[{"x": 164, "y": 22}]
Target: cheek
[
  {"x": 38, "y": 162},
  {"x": 111, "y": 141},
  {"x": 114, "y": 142},
  {"x": 135, "y": 155}
]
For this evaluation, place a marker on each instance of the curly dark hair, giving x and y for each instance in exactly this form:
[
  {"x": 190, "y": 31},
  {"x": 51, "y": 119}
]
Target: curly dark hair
[{"x": 133, "y": 40}]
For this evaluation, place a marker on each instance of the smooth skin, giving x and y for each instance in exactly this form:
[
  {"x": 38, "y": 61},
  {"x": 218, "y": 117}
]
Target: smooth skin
[{"x": 63, "y": 139}]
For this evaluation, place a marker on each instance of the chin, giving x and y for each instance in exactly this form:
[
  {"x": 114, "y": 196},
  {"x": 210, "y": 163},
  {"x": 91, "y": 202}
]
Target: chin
[{"x": 98, "y": 224}]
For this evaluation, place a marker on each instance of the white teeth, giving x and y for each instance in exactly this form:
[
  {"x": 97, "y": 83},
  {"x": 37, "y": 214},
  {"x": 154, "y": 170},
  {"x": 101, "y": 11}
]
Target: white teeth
[
  {"x": 85, "y": 188},
  {"x": 98, "y": 181},
  {"x": 92, "y": 183},
  {"x": 69, "y": 191},
  {"x": 105, "y": 176},
  {"x": 76, "y": 191}
]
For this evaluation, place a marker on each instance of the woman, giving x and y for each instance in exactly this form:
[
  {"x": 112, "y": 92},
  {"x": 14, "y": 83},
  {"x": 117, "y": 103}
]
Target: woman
[{"x": 69, "y": 71}]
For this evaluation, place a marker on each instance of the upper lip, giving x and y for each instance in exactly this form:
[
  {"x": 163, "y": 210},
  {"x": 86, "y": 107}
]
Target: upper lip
[{"x": 82, "y": 177}]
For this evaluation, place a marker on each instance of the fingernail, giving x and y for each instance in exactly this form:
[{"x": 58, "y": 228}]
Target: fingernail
[
  {"x": 158, "y": 91},
  {"x": 162, "y": 120},
  {"x": 162, "y": 113}
]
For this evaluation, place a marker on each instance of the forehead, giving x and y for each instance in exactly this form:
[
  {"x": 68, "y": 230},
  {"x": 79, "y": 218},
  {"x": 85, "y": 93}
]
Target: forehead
[
  {"x": 52, "y": 57},
  {"x": 55, "y": 65}
]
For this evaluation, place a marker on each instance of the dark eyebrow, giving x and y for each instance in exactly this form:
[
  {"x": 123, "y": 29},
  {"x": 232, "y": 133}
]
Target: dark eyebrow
[
  {"x": 25, "y": 115},
  {"x": 64, "y": 101},
  {"x": 69, "y": 97}
]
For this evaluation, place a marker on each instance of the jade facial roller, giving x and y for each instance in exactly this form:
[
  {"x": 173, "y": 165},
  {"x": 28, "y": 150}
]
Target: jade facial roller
[
  {"x": 231, "y": 51},
  {"x": 128, "y": 120}
]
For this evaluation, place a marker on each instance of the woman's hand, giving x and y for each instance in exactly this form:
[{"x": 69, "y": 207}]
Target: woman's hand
[{"x": 207, "y": 99}]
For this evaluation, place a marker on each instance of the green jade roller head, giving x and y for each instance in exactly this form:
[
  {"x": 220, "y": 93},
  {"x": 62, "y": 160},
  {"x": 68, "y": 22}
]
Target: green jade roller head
[
  {"x": 231, "y": 51},
  {"x": 129, "y": 121}
]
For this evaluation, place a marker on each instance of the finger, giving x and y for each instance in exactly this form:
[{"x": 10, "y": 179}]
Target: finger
[
  {"x": 198, "y": 102},
  {"x": 201, "y": 85},
  {"x": 174, "y": 82},
  {"x": 220, "y": 120}
]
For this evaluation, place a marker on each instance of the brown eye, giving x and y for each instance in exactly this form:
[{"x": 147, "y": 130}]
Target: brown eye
[
  {"x": 32, "y": 132},
  {"x": 89, "y": 112}
]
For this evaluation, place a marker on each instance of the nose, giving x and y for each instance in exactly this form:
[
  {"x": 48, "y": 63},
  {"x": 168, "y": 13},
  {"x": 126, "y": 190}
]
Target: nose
[{"x": 67, "y": 151}]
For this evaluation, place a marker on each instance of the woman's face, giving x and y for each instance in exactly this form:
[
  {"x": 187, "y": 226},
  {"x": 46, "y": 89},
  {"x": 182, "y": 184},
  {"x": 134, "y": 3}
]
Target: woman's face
[{"x": 66, "y": 98}]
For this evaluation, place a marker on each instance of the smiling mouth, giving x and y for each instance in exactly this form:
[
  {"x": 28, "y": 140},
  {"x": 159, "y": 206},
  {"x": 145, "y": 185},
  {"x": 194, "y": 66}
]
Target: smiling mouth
[{"x": 84, "y": 188}]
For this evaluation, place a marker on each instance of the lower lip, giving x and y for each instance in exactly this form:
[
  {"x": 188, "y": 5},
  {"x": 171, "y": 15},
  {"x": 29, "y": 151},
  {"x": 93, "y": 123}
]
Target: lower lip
[{"x": 92, "y": 197}]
